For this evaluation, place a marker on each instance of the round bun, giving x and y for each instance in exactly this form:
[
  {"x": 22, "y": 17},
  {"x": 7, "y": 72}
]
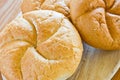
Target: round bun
[
  {"x": 61, "y": 6},
  {"x": 98, "y": 22},
  {"x": 41, "y": 45}
]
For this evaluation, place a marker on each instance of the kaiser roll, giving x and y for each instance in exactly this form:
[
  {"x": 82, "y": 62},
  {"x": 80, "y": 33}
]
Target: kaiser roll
[
  {"x": 98, "y": 22},
  {"x": 61, "y": 6},
  {"x": 41, "y": 45}
]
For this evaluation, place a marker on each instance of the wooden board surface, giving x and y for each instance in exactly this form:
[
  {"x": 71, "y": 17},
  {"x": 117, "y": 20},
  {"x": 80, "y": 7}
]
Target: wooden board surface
[
  {"x": 95, "y": 64},
  {"x": 8, "y": 11}
]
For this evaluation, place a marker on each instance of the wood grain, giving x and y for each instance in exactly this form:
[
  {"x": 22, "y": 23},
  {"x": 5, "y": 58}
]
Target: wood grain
[
  {"x": 8, "y": 11},
  {"x": 95, "y": 64}
]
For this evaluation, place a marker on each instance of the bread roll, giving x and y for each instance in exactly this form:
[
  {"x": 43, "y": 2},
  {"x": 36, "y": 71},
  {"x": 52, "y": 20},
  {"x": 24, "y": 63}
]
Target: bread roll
[
  {"x": 61, "y": 6},
  {"x": 41, "y": 45},
  {"x": 98, "y": 22}
]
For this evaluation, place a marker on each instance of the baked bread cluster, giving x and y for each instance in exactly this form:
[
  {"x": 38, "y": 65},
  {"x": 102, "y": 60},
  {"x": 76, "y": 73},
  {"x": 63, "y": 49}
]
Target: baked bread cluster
[
  {"x": 98, "y": 22},
  {"x": 41, "y": 45},
  {"x": 44, "y": 45}
]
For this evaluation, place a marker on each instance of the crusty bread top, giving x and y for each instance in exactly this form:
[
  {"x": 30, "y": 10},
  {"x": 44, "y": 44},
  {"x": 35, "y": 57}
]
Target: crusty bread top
[
  {"x": 41, "y": 45},
  {"x": 98, "y": 22},
  {"x": 61, "y": 6}
]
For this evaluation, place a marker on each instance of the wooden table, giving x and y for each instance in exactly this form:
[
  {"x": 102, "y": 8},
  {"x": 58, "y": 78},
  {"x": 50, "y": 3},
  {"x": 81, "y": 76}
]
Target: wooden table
[
  {"x": 98, "y": 65},
  {"x": 95, "y": 64}
]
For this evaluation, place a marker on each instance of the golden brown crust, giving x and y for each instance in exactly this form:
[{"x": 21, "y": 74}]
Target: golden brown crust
[
  {"x": 43, "y": 45},
  {"x": 61, "y": 6},
  {"x": 97, "y": 22},
  {"x": 30, "y": 5}
]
